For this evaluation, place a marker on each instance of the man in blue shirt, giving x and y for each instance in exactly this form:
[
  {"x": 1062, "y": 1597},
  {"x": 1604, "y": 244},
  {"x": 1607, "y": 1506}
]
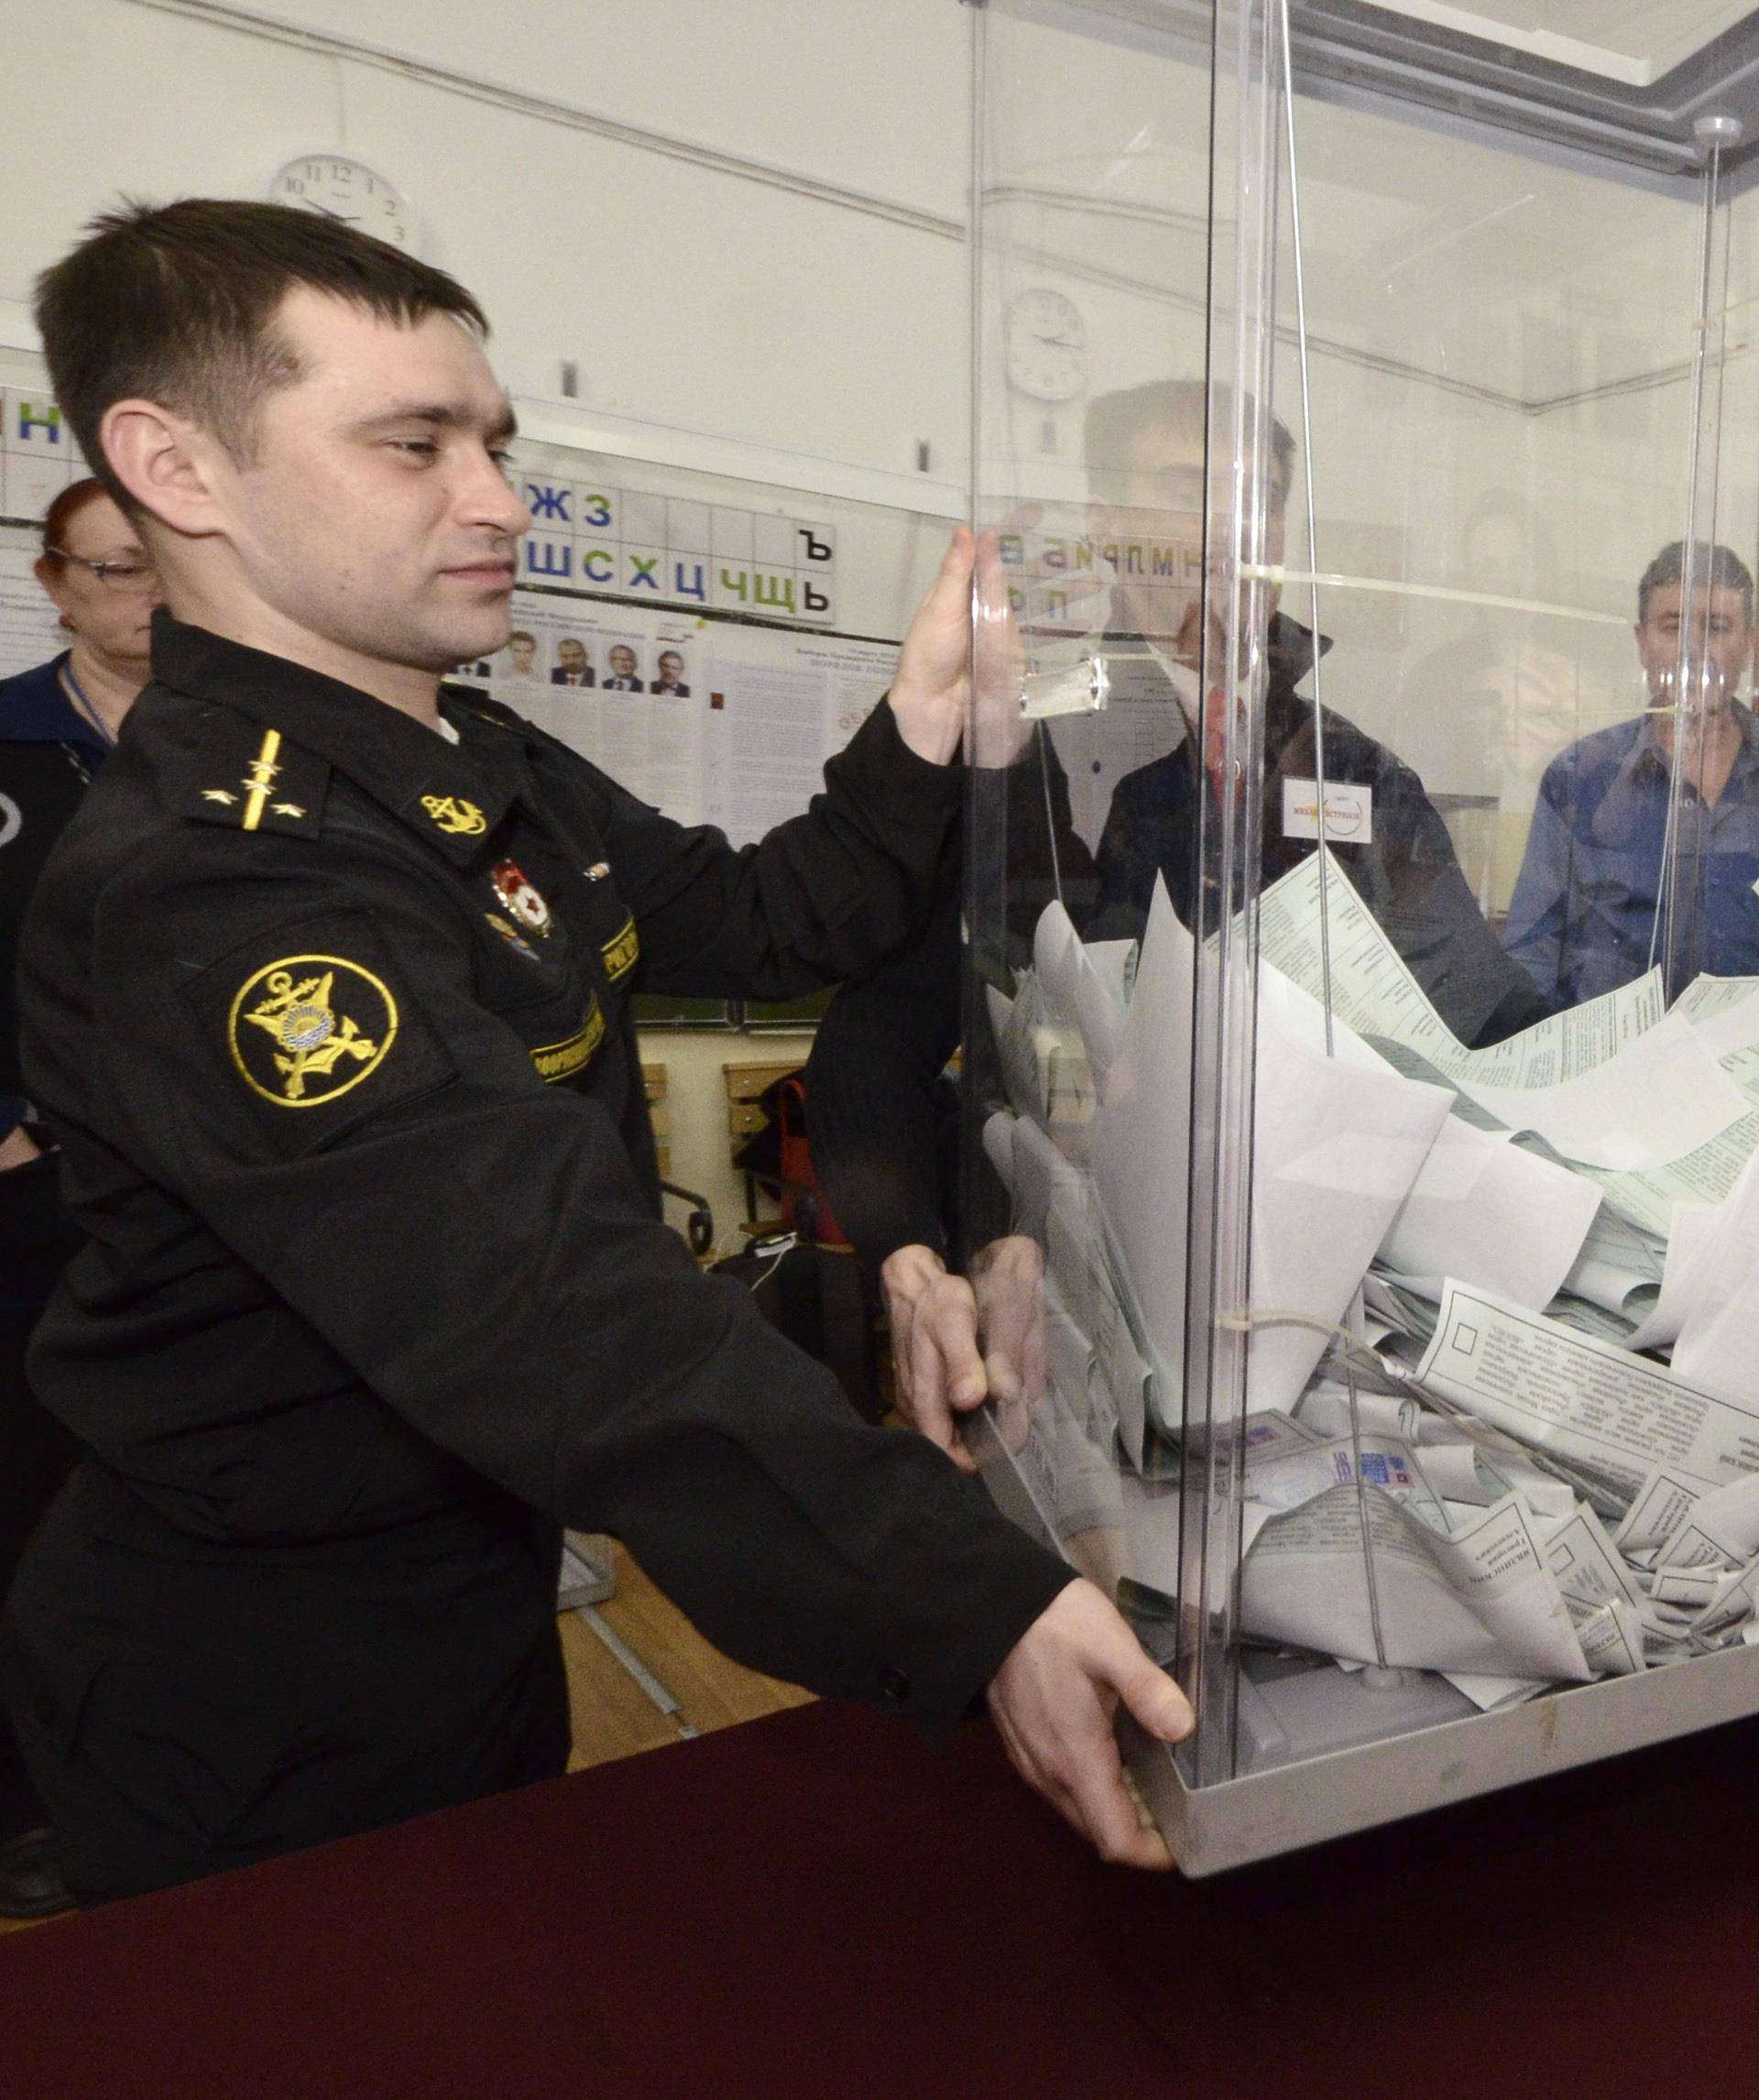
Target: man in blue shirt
[{"x": 1584, "y": 916}]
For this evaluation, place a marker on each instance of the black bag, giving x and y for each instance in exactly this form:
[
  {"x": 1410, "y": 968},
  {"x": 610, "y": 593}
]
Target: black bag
[{"x": 813, "y": 1295}]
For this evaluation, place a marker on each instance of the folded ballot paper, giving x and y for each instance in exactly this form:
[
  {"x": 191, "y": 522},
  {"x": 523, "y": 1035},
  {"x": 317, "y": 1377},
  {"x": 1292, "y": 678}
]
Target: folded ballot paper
[
  {"x": 1510, "y": 1494},
  {"x": 1478, "y": 1600},
  {"x": 1619, "y": 1084},
  {"x": 1408, "y": 1535},
  {"x": 1339, "y": 1142}
]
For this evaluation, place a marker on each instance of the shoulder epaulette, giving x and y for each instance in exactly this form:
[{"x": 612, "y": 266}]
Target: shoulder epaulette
[{"x": 253, "y": 779}]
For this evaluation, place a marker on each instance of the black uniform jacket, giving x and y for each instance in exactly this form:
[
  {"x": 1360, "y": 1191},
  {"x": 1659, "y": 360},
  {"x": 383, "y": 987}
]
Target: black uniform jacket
[{"x": 331, "y": 1019}]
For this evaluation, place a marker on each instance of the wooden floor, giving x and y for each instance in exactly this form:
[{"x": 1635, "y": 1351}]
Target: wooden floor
[{"x": 612, "y": 1716}]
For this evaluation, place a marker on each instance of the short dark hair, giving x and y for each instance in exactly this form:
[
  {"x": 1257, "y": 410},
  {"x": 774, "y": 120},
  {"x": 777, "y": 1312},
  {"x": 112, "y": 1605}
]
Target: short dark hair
[
  {"x": 1114, "y": 421},
  {"x": 176, "y": 303},
  {"x": 1713, "y": 569}
]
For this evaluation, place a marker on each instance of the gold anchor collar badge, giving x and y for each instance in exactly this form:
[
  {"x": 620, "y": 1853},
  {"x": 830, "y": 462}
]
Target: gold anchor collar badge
[{"x": 455, "y": 816}]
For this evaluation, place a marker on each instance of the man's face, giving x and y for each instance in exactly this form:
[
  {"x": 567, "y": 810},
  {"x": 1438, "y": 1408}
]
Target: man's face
[
  {"x": 571, "y": 655},
  {"x": 1155, "y": 499},
  {"x": 112, "y": 614},
  {"x": 1722, "y": 640},
  {"x": 671, "y": 669},
  {"x": 375, "y": 513},
  {"x": 523, "y": 652},
  {"x": 622, "y": 662}
]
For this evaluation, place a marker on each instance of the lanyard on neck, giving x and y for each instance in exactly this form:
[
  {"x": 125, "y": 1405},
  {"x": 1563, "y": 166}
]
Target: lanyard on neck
[{"x": 83, "y": 705}]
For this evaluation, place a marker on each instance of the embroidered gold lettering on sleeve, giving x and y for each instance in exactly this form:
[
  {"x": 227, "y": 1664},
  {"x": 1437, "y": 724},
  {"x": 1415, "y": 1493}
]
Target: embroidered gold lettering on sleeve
[
  {"x": 562, "y": 1060},
  {"x": 621, "y": 951}
]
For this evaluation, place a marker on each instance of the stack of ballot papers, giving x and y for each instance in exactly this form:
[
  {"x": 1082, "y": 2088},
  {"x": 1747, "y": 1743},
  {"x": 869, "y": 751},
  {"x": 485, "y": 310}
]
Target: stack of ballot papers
[{"x": 1465, "y": 1448}]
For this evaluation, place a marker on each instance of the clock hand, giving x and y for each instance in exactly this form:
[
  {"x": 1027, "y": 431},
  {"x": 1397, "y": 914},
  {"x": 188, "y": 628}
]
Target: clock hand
[{"x": 346, "y": 218}]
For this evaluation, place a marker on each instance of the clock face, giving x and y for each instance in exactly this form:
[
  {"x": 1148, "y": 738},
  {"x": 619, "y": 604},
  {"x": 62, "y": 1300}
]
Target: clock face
[
  {"x": 1047, "y": 346},
  {"x": 345, "y": 189}
]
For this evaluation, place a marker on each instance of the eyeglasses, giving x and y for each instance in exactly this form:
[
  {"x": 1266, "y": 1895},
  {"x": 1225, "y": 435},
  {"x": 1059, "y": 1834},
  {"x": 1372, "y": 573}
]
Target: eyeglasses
[{"x": 115, "y": 576}]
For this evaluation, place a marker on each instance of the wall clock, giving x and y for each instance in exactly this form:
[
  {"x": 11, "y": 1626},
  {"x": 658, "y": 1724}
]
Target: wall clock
[
  {"x": 340, "y": 187},
  {"x": 1046, "y": 345}
]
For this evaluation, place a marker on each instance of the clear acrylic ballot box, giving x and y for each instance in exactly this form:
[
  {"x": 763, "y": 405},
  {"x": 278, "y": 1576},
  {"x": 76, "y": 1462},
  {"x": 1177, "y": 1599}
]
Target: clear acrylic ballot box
[{"x": 1361, "y": 1023}]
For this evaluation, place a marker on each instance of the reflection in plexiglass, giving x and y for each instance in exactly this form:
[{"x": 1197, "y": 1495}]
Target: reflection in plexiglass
[{"x": 1363, "y": 1059}]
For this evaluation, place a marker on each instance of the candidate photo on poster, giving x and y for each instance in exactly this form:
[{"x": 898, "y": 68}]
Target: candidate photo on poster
[
  {"x": 573, "y": 664},
  {"x": 670, "y": 675},
  {"x": 624, "y": 669},
  {"x": 519, "y": 658}
]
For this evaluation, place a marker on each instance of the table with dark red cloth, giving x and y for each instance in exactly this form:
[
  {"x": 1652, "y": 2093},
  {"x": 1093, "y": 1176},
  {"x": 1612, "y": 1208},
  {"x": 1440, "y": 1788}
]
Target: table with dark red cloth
[{"x": 817, "y": 1904}]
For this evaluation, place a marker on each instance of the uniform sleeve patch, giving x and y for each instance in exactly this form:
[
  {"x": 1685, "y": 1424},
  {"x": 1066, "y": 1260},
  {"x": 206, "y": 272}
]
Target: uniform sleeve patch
[
  {"x": 305, "y": 1028},
  {"x": 317, "y": 1028}
]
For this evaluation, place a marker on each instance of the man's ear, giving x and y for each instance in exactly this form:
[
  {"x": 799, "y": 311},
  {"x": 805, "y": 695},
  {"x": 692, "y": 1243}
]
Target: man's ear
[{"x": 165, "y": 462}]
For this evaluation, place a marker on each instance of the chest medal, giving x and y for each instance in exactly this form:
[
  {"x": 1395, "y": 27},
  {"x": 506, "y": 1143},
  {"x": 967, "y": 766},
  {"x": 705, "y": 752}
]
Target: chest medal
[
  {"x": 520, "y": 899},
  {"x": 511, "y": 934}
]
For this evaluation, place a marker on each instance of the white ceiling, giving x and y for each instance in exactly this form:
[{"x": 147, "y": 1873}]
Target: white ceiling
[{"x": 1634, "y": 41}]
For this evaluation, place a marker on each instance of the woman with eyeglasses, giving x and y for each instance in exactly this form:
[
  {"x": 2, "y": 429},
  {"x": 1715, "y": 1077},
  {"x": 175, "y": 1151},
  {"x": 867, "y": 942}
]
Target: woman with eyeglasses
[{"x": 57, "y": 723}]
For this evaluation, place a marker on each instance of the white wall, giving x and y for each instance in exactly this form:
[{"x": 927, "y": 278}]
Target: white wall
[{"x": 687, "y": 294}]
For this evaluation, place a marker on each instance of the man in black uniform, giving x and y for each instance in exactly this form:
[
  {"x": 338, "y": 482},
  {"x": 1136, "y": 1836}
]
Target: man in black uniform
[{"x": 327, "y": 996}]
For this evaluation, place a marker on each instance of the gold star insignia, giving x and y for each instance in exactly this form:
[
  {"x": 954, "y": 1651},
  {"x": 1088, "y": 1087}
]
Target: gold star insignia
[
  {"x": 218, "y": 794},
  {"x": 286, "y": 809}
]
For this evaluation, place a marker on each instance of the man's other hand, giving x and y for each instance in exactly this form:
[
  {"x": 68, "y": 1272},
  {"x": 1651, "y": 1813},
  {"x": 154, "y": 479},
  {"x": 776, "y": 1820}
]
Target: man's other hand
[
  {"x": 952, "y": 1347},
  {"x": 1053, "y": 1701},
  {"x": 937, "y": 1371}
]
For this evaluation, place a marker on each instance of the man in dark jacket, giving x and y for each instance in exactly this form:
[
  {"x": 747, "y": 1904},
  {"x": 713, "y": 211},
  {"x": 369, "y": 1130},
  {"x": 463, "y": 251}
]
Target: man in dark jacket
[
  {"x": 873, "y": 1085},
  {"x": 327, "y": 994}
]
